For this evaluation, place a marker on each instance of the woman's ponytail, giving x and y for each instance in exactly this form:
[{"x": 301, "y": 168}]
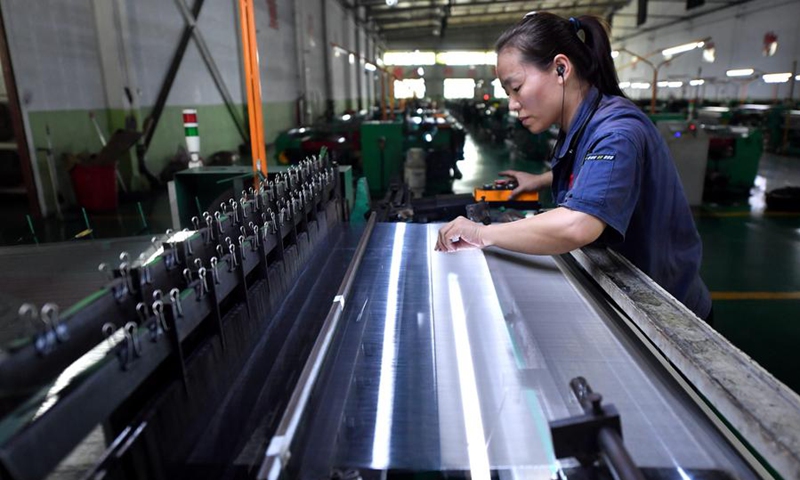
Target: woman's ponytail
[{"x": 604, "y": 72}]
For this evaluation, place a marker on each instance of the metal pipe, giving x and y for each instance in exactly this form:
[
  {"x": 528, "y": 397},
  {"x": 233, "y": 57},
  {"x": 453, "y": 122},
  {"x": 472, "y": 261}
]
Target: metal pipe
[{"x": 253, "y": 84}]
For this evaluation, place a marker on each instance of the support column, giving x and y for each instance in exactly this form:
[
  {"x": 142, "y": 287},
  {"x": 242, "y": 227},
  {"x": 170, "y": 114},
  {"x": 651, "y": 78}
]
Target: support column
[{"x": 119, "y": 77}]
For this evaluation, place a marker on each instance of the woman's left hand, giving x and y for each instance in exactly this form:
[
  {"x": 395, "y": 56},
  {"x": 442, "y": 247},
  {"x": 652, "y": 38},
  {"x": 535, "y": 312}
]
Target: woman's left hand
[{"x": 460, "y": 234}]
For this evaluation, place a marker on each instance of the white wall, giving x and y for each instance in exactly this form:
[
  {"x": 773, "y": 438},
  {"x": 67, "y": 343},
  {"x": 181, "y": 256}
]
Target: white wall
[
  {"x": 54, "y": 53},
  {"x": 738, "y": 34}
]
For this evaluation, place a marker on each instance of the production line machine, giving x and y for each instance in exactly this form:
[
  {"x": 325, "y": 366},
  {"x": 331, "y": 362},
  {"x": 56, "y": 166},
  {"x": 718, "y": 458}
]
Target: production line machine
[{"x": 277, "y": 340}]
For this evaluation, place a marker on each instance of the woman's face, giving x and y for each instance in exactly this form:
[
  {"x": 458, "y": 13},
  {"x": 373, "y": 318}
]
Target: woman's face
[{"x": 535, "y": 94}]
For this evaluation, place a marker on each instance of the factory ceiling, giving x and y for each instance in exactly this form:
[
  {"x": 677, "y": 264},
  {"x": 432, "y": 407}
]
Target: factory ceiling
[{"x": 476, "y": 24}]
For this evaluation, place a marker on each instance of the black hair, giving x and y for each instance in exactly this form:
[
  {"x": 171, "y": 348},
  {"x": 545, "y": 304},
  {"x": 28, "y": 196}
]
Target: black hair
[{"x": 540, "y": 36}]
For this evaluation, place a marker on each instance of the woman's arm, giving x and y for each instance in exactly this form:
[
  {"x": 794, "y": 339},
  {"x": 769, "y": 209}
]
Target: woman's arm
[{"x": 558, "y": 231}]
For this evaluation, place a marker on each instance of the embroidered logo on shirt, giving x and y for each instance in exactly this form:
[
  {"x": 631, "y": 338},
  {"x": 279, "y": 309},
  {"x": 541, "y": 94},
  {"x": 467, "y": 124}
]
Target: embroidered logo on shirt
[{"x": 600, "y": 156}]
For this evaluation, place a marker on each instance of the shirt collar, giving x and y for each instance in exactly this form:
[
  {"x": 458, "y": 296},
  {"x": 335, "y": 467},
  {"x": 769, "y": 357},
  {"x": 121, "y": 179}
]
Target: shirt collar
[{"x": 583, "y": 113}]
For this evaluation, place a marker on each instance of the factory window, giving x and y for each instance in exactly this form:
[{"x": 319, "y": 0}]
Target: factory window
[
  {"x": 409, "y": 88},
  {"x": 498, "y": 89},
  {"x": 409, "y": 58},
  {"x": 459, "y": 88},
  {"x": 466, "y": 58}
]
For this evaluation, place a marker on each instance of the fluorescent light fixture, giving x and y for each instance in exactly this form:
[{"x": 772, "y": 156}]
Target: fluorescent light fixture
[
  {"x": 351, "y": 59},
  {"x": 415, "y": 58},
  {"x": 420, "y": 71},
  {"x": 797, "y": 78},
  {"x": 776, "y": 77},
  {"x": 465, "y": 58},
  {"x": 663, "y": 84},
  {"x": 740, "y": 72},
  {"x": 391, "y": 3},
  {"x": 669, "y": 52},
  {"x": 346, "y": 117},
  {"x": 614, "y": 53},
  {"x": 624, "y": 84},
  {"x": 640, "y": 85},
  {"x": 381, "y": 439},
  {"x": 370, "y": 67},
  {"x": 674, "y": 84},
  {"x": 696, "y": 82}
]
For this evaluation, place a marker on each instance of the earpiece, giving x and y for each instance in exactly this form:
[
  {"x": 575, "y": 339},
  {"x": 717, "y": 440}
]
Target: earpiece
[{"x": 560, "y": 70}]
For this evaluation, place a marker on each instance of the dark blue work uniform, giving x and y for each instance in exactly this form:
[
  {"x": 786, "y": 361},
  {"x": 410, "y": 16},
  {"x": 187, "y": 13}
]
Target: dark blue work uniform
[{"x": 621, "y": 172}]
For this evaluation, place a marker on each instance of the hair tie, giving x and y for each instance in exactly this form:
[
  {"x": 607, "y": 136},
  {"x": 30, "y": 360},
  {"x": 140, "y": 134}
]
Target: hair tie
[{"x": 576, "y": 24}]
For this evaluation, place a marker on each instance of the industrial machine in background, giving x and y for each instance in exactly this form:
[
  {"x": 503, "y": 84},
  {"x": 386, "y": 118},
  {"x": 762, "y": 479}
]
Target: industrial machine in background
[
  {"x": 435, "y": 139},
  {"x": 491, "y": 123},
  {"x": 377, "y": 149},
  {"x": 688, "y": 146},
  {"x": 340, "y": 136},
  {"x": 733, "y": 157}
]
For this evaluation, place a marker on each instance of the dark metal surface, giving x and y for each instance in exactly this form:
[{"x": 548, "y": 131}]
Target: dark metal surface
[
  {"x": 455, "y": 362},
  {"x": 62, "y": 273}
]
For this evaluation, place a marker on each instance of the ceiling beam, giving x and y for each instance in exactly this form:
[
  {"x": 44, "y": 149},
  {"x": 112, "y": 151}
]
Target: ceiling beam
[{"x": 483, "y": 17}]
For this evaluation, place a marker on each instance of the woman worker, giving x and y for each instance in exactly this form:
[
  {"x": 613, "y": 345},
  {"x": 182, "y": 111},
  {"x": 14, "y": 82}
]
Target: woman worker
[{"x": 612, "y": 177}]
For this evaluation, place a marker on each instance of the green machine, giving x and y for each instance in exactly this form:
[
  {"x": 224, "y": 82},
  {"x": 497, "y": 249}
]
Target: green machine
[
  {"x": 382, "y": 152},
  {"x": 196, "y": 190},
  {"x": 733, "y": 157}
]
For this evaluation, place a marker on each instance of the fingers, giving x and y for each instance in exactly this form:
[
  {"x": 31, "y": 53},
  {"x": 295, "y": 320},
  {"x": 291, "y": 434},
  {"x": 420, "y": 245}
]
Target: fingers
[
  {"x": 456, "y": 235},
  {"x": 516, "y": 192},
  {"x": 509, "y": 173}
]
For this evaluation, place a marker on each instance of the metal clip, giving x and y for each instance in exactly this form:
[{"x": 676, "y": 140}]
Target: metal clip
[
  {"x": 27, "y": 311},
  {"x": 233, "y": 262},
  {"x": 243, "y": 202},
  {"x": 241, "y": 247},
  {"x": 50, "y": 316},
  {"x": 158, "y": 311},
  {"x": 209, "y": 228},
  {"x": 235, "y": 208},
  {"x": 187, "y": 275},
  {"x": 188, "y": 242},
  {"x": 141, "y": 311},
  {"x": 157, "y": 295},
  {"x": 105, "y": 271},
  {"x": 255, "y": 235},
  {"x": 203, "y": 283},
  {"x": 214, "y": 271},
  {"x": 145, "y": 267},
  {"x": 108, "y": 332},
  {"x": 218, "y": 217},
  {"x": 220, "y": 251},
  {"x": 175, "y": 298},
  {"x": 132, "y": 340},
  {"x": 196, "y": 223},
  {"x": 223, "y": 207}
]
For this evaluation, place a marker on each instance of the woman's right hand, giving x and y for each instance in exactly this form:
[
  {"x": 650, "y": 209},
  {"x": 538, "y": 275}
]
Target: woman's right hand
[{"x": 526, "y": 182}]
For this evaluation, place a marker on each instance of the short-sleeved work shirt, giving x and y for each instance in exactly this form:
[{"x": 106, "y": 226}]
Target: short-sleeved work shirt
[{"x": 623, "y": 174}]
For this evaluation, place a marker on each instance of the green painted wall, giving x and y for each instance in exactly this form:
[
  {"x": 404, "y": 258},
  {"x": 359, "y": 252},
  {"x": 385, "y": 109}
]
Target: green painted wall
[{"x": 72, "y": 131}]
